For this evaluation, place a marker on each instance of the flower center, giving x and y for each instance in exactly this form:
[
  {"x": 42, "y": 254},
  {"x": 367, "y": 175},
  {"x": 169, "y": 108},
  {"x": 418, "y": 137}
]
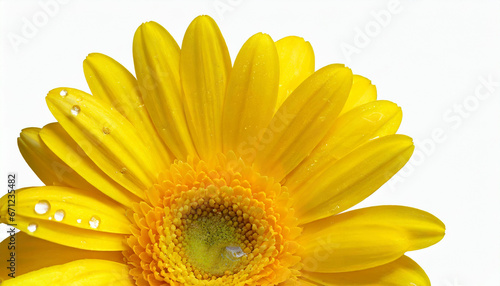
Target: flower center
[
  {"x": 216, "y": 233},
  {"x": 213, "y": 245},
  {"x": 218, "y": 225}
]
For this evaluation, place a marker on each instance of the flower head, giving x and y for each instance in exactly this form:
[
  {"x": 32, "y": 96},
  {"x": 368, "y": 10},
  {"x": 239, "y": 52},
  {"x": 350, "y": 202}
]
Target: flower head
[{"x": 201, "y": 172}]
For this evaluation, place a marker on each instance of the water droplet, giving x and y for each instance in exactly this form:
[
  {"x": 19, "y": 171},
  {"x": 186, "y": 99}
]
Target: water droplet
[
  {"x": 50, "y": 218},
  {"x": 106, "y": 130},
  {"x": 42, "y": 207},
  {"x": 59, "y": 215},
  {"x": 75, "y": 110},
  {"x": 79, "y": 221},
  {"x": 63, "y": 93},
  {"x": 32, "y": 227},
  {"x": 94, "y": 221},
  {"x": 234, "y": 252},
  {"x": 123, "y": 170}
]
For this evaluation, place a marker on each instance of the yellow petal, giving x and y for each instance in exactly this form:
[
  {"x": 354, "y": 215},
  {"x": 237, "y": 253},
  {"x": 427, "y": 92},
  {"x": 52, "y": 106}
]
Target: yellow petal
[
  {"x": 89, "y": 272},
  {"x": 363, "y": 123},
  {"x": 296, "y": 60},
  {"x": 302, "y": 121},
  {"x": 205, "y": 66},
  {"x": 421, "y": 228},
  {"x": 32, "y": 253},
  {"x": 363, "y": 91},
  {"x": 156, "y": 60},
  {"x": 403, "y": 271},
  {"x": 251, "y": 92},
  {"x": 107, "y": 137},
  {"x": 68, "y": 206},
  {"x": 340, "y": 248},
  {"x": 46, "y": 165},
  {"x": 58, "y": 141},
  {"x": 72, "y": 236},
  {"x": 112, "y": 83},
  {"x": 82, "y": 237},
  {"x": 352, "y": 178}
]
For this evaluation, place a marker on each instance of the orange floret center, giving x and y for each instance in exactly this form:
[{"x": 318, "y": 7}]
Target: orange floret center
[{"x": 213, "y": 224}]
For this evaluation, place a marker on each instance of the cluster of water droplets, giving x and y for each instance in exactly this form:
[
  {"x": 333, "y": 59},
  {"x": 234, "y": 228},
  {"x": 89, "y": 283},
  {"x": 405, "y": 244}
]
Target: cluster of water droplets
[
  {"x": 75, "y": 110},
  {"x": 43, "y": 207}
]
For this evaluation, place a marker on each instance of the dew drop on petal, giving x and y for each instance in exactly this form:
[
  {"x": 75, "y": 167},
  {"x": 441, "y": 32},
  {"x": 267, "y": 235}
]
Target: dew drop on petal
[
  {"x": 123, "y": 170},
  {"x": 94, "y": 221},
  {"x": 105, "y": 130},
  {"x": 59, "y": 215},
  {"x": 32, "y": 227},
  {"x": 79, "y": 221},
  {"x": 75, "y": 110},
  {"x": 42, "y": 207},
  {"x": 63, "y": 93}
]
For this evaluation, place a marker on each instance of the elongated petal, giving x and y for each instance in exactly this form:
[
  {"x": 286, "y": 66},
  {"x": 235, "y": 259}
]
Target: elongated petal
[
  {"x": 33, "y": 253},
  {"x": 352, "y": 178},
  {"x": 108, "y": 138},
  {"x": 296, "y": 57},
  {"x": 114, "y": 84},
  {"x": 403, "y": 271},
  {"x": 71, "y": 236},
  {"x": 58, "y": 141},
  {"x": 358, "y": 126},
  {"x": 46, "y": 165},
  {"x": 69, "y": 206},
  {"x": 251, "y": 92},
  {"x": 421, "y": 228},
  {"x": 363, "y": 91},
  {"x": 204, "y": 68},
  {"x": 156, "y": 60},
  {"x": 303, "y": 120},
  {"x": 341, "y": 248},
  {"x": 85, "y": 272}
]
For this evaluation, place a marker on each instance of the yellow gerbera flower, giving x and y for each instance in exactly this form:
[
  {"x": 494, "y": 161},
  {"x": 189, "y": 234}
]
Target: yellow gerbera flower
[{"x": 200, "y": 172}]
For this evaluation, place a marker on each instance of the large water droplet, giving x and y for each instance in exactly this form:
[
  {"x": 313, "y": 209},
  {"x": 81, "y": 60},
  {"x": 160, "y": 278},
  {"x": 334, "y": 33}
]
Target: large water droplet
[
  {"x": 75, "y": 110},
  {"x": 94, "y": 221},
  {"x": 234, "y": 253},
  {"x": 42, "y": 207},
  {"x": 59, "y": 215},
  {"x": 106, "y": 130},
  {"x": 63, "y": 93},
  {"x": 32, "y": 227}
]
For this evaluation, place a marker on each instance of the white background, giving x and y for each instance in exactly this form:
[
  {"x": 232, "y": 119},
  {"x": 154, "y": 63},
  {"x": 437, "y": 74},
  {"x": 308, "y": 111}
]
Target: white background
[{"x": 433, "y": 59}]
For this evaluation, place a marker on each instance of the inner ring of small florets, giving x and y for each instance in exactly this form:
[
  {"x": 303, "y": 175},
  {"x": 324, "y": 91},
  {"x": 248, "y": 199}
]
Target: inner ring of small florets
[
  {"x": 219, "y": 225},
  {"x": 215, "y": 233}
]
